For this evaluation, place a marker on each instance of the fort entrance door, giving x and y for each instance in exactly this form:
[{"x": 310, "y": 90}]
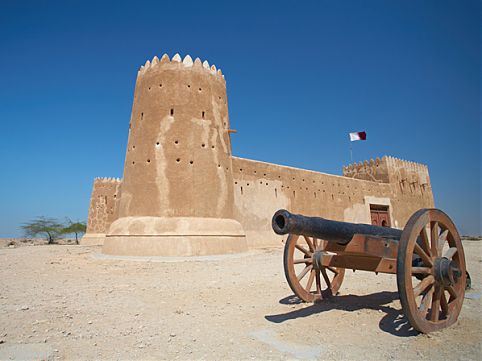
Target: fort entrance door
[{"x": 380, "y": 215}]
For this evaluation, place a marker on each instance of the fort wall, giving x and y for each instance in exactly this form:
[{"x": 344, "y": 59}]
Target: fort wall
[
  {"x": 103, "y": 209},
  {"x": 263, "y": 188}
]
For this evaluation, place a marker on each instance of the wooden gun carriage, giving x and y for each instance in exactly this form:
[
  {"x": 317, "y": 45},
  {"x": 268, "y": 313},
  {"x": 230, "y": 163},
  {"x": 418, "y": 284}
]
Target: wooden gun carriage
[{"x": 427, "y": 257}]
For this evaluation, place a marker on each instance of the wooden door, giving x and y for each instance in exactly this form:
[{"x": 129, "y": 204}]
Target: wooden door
[{"x": 380, "y": 216}]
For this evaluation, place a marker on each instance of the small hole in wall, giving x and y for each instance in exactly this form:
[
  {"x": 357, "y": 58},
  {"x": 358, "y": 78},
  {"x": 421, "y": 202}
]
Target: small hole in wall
[
  {"x": 202, "y": 114},
  {"x": 133, "y": 147},
  {"x": 176, "y": 142},
  {"x": 227, "y": 168},
  {"x": 276, "y": 193},
  {"x": 160, "y": 85},
  {"x": 240, "y": 169},
  {"x": 178, "y": 160},
  {"x": 172, "y": 112},
  {"x": 314, "y": 193},
  {"x": 149, "y": 88},
  {"x": 332, "y": 197},
  {"x": 142, "y": 116},
  {"x": 261, "y": 182},
  {"x": 212, "y": 146},
  {"x": 115, "y": 195},
  {"x": 157, "y": 143},
  {"x": 191, "y": 162},
  {"x": 247, "y": 184},
  {"x": 254, "y": 172},
  {"x": 294, "y": 193},
  {"x": 219, "y": 98},
  {"x": 264, "y": 174},
  {"x": 133, "y": 162},
  {"x": 266, "y": 183},
  {"x": 200, "y": 89},
  {"x": 203, "y": 145},
  {"x": 235, "y": 182},
  {"x": 219, "y": 165},
  {"x": 189, "y": 85},
  {"x": 148, "y": 161},
  {"x": 241, "y": 190}
]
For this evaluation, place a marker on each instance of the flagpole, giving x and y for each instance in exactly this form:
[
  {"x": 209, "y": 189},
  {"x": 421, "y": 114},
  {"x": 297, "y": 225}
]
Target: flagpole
[{"x": 351, "y": 153}]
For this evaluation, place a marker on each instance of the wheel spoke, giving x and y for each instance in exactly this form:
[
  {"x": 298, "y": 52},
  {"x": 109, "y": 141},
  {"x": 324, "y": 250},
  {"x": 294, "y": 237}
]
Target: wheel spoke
[
  {"x": 441, "y": 241},
  {"x": 325, "y": 277},
  {"x": 423, "y": 285},
  {"x": 434, "y": 316},
  {"x": 443, "y": 304},
  {"x": 453, "y": 294},
  {"x": 310, "y": 244},
  {"x": 434, "y": 238},
  {"x": 318, "y": 283},
  {"x": 304, "y": 272},
  {"x": 421, "y": 270},
  {"x": 310, "y": 280},
  {"x": 425, "y": 241},
  {"x": 302, "y": 249},
  {"x": 315, "y": 243},
  {"x": 425, "y": 258},
  {"x": 426, "y": 301},
  {"x": 450, "y": 252},
  {"x": 303, "y": 260}
]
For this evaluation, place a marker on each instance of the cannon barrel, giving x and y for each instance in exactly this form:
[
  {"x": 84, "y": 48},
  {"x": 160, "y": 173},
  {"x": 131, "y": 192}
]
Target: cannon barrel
[{"x": 284, "y": 222}]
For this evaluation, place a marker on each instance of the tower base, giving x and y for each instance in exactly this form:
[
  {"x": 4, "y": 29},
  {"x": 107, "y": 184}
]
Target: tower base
[
  {"x": 92, "y": 239},
  {"x": 176, "y": 236}
]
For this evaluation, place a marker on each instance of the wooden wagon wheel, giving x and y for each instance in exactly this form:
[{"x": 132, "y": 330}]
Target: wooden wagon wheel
[
  {"x": 431, "y": 271},
  {"x": 307, "y": 281}
]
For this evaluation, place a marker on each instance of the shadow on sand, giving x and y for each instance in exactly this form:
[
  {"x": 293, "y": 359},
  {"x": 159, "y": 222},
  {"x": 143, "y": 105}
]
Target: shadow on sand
[{"x": 394, "y": 321}]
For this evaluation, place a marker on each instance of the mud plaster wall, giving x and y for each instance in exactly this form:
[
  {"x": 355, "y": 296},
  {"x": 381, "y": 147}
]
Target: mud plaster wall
[
  {"x": 103, "y": 204},
  {"x": 262, "y": 188},
  {"x": 178, "y": 160}
]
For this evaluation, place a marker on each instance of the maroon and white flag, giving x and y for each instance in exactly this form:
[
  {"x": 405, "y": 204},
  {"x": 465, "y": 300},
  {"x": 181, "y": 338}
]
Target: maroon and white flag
[{"x": 358, "y": 136}]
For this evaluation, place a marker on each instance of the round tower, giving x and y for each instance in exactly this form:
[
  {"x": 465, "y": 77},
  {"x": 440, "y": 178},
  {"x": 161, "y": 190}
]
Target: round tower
[{"x": 177, "y": 192}]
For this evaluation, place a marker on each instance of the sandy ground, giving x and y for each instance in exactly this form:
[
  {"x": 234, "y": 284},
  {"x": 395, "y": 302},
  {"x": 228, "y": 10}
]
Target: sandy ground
[{"x": 70, "y": 302}]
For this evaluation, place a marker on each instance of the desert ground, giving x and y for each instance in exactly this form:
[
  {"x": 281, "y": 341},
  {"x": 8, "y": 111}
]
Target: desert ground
[{"x": 71, "y": 302}]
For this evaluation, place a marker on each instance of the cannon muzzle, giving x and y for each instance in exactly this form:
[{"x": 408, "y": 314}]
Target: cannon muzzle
[{"x": 284, "y": 222}]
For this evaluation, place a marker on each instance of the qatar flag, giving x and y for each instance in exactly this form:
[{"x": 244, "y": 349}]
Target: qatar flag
[{"x": 358, "y": 136}]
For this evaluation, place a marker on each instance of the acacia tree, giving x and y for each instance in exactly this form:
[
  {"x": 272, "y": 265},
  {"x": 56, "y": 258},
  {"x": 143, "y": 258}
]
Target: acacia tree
[
  {"x": 49, "y": 227},
  {"x": 75, "y": 228}
]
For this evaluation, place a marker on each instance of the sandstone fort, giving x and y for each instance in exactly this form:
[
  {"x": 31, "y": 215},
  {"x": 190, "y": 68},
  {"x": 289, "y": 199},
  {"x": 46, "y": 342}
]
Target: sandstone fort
[{"x": 184, "y": 193}]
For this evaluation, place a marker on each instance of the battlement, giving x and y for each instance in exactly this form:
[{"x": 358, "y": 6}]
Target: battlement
[
  {"x": 177, "y": 61},
  {"x": 389, "y": 170},
  {"x": 107, "y": 180},
  {"x": 375, "y": 170}
]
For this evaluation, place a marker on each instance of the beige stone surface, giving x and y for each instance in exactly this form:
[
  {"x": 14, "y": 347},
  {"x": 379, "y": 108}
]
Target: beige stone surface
[{"x": 73, "y": 303}]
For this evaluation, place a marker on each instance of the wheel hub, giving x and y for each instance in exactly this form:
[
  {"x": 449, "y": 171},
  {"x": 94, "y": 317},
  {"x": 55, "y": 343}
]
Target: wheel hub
[{"x": 446, "y": 271}]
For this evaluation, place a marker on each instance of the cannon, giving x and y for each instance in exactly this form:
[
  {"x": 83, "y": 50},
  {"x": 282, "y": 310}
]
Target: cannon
[{"x": 427, "y": 257}]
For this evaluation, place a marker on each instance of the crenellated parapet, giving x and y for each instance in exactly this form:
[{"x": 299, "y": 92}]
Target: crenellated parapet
[
  {"x": 178, "y": 62},
  {"x": 409, "y": 175},
  {"x": 374, "y": 170}
]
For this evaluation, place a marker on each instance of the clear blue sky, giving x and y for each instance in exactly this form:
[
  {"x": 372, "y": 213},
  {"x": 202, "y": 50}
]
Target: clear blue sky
[{"x": 300, "y": 77}]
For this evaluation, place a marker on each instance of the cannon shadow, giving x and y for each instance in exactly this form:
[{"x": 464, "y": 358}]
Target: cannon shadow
[{"x": 393, "y": 322}]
